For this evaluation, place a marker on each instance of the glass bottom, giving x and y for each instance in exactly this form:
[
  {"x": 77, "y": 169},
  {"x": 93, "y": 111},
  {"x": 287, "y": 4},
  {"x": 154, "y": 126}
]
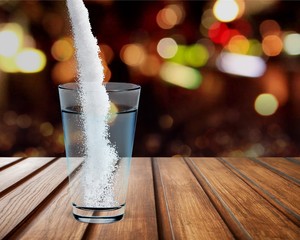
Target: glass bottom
[{"x": 98, "y": 215}]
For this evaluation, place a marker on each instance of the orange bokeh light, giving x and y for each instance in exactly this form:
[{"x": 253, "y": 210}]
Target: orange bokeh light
[{"x": 272, "y": 45}]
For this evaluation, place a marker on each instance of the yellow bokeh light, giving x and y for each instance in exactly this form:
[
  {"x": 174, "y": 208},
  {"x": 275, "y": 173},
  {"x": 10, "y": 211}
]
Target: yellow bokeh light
[
  {"x": 226, "y": 11},
  {"x": 11, "y": 37},
  {"x": 62, "y": 49},
  {"x": 31, "y": 60},
  {"x": 167, "y": 48},
  {"x": 133, "y": 54},
  {"x": 238, "y": 44},
  {"x": 113, "y": 111},
  {"x": 266, "y": 104},
  {"x": 46, "y": 129},
  {"x": 272, "y": 45},
  {"x": 8, "y": 65}
]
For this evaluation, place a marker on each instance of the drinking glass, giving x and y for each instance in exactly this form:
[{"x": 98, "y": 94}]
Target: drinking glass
[{"x": 97, "y": 183}]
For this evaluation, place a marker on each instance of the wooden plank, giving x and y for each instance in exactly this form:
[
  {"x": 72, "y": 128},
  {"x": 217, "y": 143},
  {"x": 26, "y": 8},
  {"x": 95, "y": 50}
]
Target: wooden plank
[
  {"x": 189, "y": 210},
  {"x": 53, "y": 219},
  {"x": 285, "y": 167},
  {"x": 254, "y": 213},
  {"x": 20, "y": 203},
  {"x": 294, "y": 159},
  {"x": 140, "y": 215},
  {"x": 163, "y": 218},
  {"x": 281, "y": 192},
  {"x": 19, "y": 172},
  {"x": 7, "y": 161}
]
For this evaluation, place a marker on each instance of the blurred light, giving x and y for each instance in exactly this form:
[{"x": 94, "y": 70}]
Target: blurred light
[
  {"x": 166, "y": 18},
  {"x": 226, "y": 11},
  {"x": 208, "y": 44},
  {"x": 64, "y": 72},
  {"x": 253, "y": 7},
  {"x": 207, "y": 20},
  {"x": 8, "y": 64},
  {"x": 106, "y": 71},
  {"x": 179, "y": 75},
  {"x": 11, "y": 37},
  {"x": 170, "y": 16},
  {"x": 32, "y": 152},
  {"x": 255, "y": 150},
  {"x": 272, "y": 45},
  {"x": 266, "y": 104},
  {"x": 31, "y": 60},
  {"x": 184, "y": 150},
  {"x": 108, "y": 53},
  {"x": 291, "y": 43},
  {"x": 196, "y": 55},
  {"x": 153, "y": 143},
  {"x": 242, "y": 65},
  {"x": 24, "y": 121},
  {"x": 275, "y": 82},
  {"x": 243, "y": 26},
  {"x": 179, "y": 57},
  {"x": 9, "y": 118},
  {"x": 46, "y": 129},
  {"x": 62, "y": 49},
  {"x": 255, "y": 48},
  {"x": 167, "y": 48},
  {"x": 166, "y": 121},
  {"x": 150, "y": 66},
  {"x": 238, "y": 44},
  {"x": 179, "y": 10},
  {"x": 269, "y": 27},
  {"x": 219, "y": 33},
  {"x": 133, "y": 54},
  {"x": 112, "y": 112}
]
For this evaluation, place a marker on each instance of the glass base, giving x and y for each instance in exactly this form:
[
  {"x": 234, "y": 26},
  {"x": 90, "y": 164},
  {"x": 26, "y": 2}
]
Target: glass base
[{"x": 98, "y": 215}]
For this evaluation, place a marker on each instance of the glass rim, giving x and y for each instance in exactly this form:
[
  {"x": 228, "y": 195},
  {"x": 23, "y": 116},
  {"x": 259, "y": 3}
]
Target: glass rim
[{"x": 126, "y": 87}]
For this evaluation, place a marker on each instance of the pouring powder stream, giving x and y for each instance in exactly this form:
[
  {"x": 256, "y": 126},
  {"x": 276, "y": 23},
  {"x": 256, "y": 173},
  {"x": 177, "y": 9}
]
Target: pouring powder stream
[{"x": 100, "y": 155}]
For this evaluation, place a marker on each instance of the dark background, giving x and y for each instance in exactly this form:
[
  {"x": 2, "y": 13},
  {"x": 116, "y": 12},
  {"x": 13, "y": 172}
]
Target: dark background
[{"x": 216, "y": 119}]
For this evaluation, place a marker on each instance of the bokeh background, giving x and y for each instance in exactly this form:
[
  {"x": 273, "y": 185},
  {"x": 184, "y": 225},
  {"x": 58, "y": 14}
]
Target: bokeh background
[{"x": 219, "y": 78}]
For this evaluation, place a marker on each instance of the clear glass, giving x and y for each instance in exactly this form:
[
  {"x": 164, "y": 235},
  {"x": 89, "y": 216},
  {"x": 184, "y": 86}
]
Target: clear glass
[{"x": 121, "y": 129}]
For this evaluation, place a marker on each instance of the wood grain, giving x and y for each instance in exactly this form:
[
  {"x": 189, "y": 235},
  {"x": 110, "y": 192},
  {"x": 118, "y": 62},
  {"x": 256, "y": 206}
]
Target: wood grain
[
  {"x": 189, "y": 210},
  {"x": 168, "y": 198},
  {"x": 20, "y": 171},
  {"x": 53, "y": 219},
  {"x": 257, "y": 216},
  {"x": 19, "y": 204},
  {"x": 8, "y": 161},
  {"x": 281, "y": 192},
  {"x": 285, "y": 167},
  {"x": 140, "y": 215}
]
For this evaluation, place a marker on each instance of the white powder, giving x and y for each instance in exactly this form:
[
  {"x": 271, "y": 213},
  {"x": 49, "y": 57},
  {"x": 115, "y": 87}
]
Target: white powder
[{"x": 100, "y": 155}]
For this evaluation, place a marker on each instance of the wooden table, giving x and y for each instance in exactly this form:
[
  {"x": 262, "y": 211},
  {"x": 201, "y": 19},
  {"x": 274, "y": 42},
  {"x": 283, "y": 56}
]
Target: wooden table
[{"x": 168, "y": 198}]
